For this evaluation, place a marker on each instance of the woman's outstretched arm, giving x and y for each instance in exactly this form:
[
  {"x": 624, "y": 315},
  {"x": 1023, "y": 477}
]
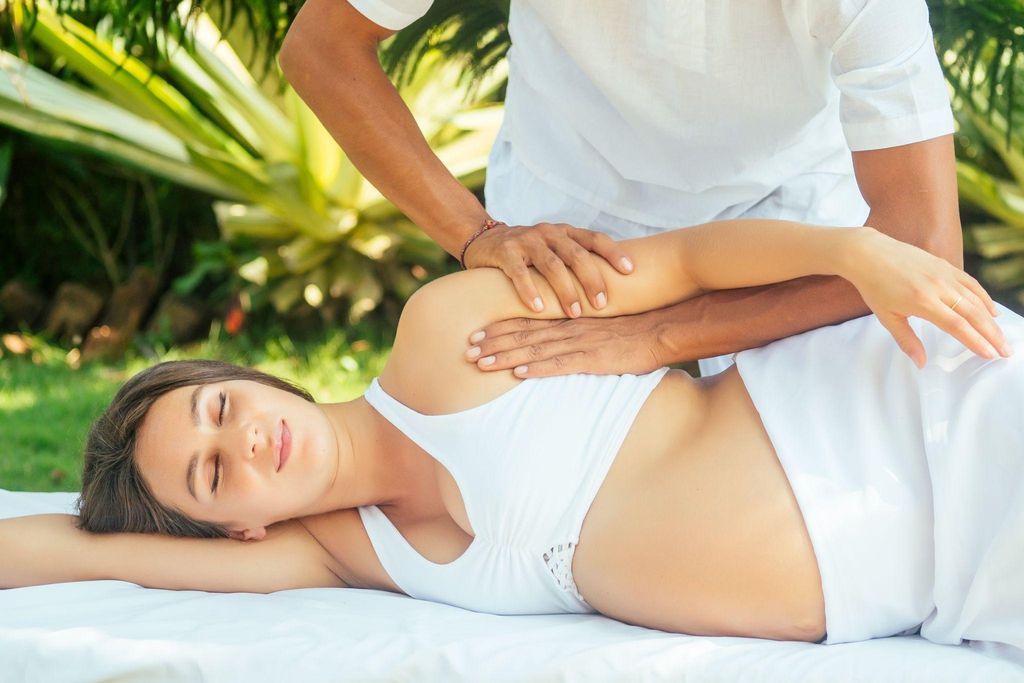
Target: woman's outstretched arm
[
  {"x": 895, "y": 279},
  {"x": 41, "y": 549}
]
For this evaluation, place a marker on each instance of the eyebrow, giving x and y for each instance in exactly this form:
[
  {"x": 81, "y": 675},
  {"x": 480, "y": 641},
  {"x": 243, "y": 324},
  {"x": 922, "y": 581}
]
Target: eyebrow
[
  {"x": 195, "y": 404},
  {"x": 190, "y": 474}
]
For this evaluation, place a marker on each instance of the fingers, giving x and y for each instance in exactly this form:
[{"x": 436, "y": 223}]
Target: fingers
[
  {"x": 510, "y": 326},
  {"x": 554, "y": 271},
  {"x": 557, "y": 251},
  {"x": 975, "y": 287},
  {"x": 585, "y": 268},
  {"x": 977, "y": 316},
  {"x": 523, "y": 347},
  {"x": 956, "y": 325},
  {"x": 605, "y": 247},
  {"x": 564, "y": 364},
  {"x": 515, "y": 268},
  {"x": 904, "y": 335},
  {"x": 976, "y": 311}
]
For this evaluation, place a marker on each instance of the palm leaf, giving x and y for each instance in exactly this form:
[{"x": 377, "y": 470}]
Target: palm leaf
[
  {"x": 39, "y": 104},
  {"x": 981, "y": 43}
]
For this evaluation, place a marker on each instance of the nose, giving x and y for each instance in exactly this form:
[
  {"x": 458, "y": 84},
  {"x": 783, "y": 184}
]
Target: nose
[
  {"x": 252, "y": 441},
  {"x": 247, "y": 442}
]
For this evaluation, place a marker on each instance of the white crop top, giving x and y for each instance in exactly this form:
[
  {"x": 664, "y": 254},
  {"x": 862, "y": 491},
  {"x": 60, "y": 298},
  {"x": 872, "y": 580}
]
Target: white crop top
[{"x": 528, "y": 465}]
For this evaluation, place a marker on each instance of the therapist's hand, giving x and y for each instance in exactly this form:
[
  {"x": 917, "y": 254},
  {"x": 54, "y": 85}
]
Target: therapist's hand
[
  {"x": 542, "y": 348},
  {"x": 553, "y": 249}
]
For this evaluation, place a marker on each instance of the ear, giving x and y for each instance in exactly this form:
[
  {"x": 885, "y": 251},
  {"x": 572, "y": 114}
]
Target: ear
[{"x": 255, "y": 534}]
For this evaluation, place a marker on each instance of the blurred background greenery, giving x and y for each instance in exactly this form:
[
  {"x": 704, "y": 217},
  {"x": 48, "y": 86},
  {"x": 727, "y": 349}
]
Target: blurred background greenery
[{"x": 163, "y": 194}]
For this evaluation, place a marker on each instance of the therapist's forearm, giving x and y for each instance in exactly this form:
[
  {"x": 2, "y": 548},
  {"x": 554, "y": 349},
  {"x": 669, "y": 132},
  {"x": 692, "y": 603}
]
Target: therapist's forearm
[
  {"x": 728, "y": 321},
  {"x": 339, "y": 76},
  {"x": 911, "y": 191}
]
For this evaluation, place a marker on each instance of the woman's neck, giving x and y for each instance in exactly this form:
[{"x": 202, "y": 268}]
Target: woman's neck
[{"x": 375, "y": 466}]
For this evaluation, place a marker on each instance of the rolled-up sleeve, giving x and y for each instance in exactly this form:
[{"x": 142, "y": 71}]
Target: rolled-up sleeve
[
  {"x": 392, "y": 14},
  {"x": 892, "y": 91}
]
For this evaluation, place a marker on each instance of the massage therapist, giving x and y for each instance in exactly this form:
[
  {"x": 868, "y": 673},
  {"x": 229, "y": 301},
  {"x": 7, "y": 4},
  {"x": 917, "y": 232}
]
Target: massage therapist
[{"x": 628, "y": 118}]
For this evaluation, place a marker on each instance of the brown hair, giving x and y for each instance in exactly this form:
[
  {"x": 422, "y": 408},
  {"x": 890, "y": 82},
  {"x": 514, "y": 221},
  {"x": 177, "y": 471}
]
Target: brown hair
[{"x": 114, "y": 495}]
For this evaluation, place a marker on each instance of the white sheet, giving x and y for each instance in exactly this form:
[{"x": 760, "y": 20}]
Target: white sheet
[{"x": 106, "y": 630}]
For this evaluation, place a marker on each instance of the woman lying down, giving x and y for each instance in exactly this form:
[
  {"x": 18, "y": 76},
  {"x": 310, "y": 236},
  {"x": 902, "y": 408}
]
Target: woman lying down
[{"x": 828, "y": 487}]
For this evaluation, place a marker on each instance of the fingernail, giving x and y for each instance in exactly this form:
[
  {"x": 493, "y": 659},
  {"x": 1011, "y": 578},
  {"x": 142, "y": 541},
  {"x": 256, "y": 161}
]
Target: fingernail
[
  {"x": 487, "y": 360},
  {"x": 627, "y": 265},
  {"x": 602, "y": 300},
  {"x": 476, "y": 336},
  {"x": 576, "y": 310},
  {"x": 1007, "y": 350},
  {"x": 538, "y": 304},
  {"x": 520, "y": 370},
  {"x": 991, "y": 352},
  {"x": 473, "y": 352}
]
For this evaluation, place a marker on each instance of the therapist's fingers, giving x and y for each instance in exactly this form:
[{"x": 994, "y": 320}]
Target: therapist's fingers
[
  {"x": 554, "y": 270},
  {"x": 505, "y": 248},
  {"x": 584, "y": 265},
  {"x": 605, "y": 247},
  {"x": 557, "y": 251},
  {"x": 522, "y": 279}
]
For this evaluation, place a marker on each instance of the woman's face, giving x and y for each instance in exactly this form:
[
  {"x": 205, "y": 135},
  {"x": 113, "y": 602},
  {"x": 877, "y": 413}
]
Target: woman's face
[{"x": 237, "y": 453}]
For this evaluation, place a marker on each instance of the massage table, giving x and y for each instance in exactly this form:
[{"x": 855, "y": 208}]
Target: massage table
[{"x": 118, "y": 631}]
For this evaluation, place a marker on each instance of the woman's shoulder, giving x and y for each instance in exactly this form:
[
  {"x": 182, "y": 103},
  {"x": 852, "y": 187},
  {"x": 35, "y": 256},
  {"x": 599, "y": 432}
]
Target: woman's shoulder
[{"x": 427, "y": 369}]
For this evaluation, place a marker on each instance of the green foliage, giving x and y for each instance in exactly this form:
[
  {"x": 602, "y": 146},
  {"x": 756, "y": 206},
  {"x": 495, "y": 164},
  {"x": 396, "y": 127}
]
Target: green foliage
[
  {"x": 981, "y": 42},
  {"x": 154, "y": 27},
  {"x": 86, "y": 219},
  {"x": 304, "y": 226},
  {"x": 980, "y": 49},
  {"x": 473, "y": 33},
  {"x": 6, "y": 152}
]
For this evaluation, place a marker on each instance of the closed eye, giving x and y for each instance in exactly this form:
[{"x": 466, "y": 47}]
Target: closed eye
[{"x": 216, "y": 463}]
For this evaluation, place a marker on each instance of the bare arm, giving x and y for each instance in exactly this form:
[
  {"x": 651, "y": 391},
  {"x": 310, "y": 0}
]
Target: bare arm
[
  {"x": 912, "y": 193},
  {"x": 330, "y": 57},
  {"x": 896, "y": 280},
  {"x": 41, "y": 549}
]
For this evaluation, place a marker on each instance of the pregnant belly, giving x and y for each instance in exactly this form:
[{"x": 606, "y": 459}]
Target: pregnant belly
[{"x": 696, "y": 529}]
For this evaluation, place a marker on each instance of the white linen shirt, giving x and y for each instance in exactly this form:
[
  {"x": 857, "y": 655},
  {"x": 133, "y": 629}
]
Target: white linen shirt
[{"x": 636, "y": 117}]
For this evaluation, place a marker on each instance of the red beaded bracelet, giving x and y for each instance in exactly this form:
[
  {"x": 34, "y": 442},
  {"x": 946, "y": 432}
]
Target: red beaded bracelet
[{"x": 488, "y": 224}]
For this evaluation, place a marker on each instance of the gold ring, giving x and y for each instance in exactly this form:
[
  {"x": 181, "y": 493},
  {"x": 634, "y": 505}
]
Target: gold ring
[{"x": 957, "y": 303}]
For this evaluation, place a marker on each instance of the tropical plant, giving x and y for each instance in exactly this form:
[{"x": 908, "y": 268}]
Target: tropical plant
[
  {"x": 981, "y": 45},
  {"x": 82, "y": 218},
  {"x": 457, "y": 28},
  {"x": 312, "y": 228},
  {"x": 979, "y": 42}
]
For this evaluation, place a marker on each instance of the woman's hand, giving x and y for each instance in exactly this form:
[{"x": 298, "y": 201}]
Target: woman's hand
[
  {"x": 898, "y": 280},
  {"x": 553, "y": 249}
]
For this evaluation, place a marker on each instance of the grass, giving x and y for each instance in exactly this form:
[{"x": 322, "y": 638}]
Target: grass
[{"x": 47, "y": 405}]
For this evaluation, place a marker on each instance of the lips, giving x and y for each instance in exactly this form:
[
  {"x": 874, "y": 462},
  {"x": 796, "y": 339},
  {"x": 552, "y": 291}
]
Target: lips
[{"x": 282, "y": 445}]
